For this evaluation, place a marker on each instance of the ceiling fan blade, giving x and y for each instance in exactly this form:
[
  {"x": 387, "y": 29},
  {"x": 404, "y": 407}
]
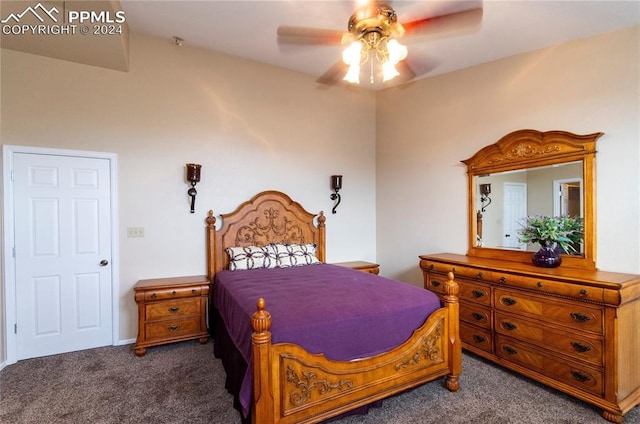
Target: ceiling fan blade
[
  {"x": 406, "y": 73},
  {"x": 334, "y": 75},
  {"x": 310, "y": 36},
  {"x": 444, "y": 25}
]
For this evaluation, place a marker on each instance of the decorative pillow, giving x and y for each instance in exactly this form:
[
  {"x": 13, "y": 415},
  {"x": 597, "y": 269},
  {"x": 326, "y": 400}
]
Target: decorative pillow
[
  {"x": 288, "y": 255},
  {"x": 251, "y": 257}
]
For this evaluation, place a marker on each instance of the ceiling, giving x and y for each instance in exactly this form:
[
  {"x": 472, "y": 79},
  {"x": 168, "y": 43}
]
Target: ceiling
[{"x": 248, "y": 29}]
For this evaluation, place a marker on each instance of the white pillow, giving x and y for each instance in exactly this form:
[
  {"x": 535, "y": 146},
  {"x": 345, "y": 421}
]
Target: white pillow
[
  {"x": 251, "y": 257},
  {"x": 288, "y": 255}
]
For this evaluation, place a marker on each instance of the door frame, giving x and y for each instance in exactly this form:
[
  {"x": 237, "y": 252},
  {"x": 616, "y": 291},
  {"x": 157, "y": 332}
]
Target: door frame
[{"x": 8, "y": 221}]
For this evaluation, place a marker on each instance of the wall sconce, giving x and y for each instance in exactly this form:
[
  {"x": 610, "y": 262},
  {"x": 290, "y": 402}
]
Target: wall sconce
[
  {"x": 336, "y": 186},
  {"x": 193, "y": 176},
  {"x": 485, "y": 191}
]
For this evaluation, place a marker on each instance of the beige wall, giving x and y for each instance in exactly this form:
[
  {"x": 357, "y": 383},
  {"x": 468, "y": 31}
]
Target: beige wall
[
  {"x": 423, "y": 131},
  {"x": 252, "y": 127}
]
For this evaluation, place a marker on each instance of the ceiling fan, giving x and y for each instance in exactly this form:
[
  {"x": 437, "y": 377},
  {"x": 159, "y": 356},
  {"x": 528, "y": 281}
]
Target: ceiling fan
[{"x": 371, "y": 40}]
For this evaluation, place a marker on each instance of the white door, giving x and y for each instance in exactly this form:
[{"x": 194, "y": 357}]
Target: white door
[
  {"x": 514, "y": 210},
  {"x": 63, "y": 281}
]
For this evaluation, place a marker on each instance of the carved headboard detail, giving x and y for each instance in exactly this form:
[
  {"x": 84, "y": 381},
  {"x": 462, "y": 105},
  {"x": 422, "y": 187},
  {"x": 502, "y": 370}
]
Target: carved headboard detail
[{"x": 268, "y": 217}]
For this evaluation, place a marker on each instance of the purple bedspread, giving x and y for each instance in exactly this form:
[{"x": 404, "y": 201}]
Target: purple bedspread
[{"x": 343, "y": 313}]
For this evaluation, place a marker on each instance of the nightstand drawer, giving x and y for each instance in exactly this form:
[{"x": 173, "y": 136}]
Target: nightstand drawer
[
  {"x": 172, "y": 293},
  {"x": 172, "y": 309},
  {"x": 172, "y": 328}
]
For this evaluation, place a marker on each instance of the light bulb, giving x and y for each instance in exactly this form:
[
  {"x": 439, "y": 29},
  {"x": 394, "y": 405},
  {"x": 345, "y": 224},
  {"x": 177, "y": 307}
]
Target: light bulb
[
  {"x": 397, "y": 51},
  {"x": 351, "y": 55},
  {"x": 389, "y": 71},
  {"x": 353, "y": 74}
]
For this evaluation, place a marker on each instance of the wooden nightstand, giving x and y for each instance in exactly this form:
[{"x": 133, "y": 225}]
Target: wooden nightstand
[
  {"x": 363, "y": 266},
  {"x": 171, "y": 310}
]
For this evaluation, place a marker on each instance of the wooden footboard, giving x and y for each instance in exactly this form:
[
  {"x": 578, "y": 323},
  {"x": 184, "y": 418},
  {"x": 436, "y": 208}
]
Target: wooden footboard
[{"x": 294, "y": 386}]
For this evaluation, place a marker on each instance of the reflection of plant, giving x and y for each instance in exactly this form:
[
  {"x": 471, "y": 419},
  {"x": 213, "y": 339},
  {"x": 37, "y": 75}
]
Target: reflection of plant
[{"x": 565, "y": 231}]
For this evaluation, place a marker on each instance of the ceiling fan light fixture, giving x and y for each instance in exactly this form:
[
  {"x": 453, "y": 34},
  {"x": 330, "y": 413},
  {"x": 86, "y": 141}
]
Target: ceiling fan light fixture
[{"x": 373, "y": 26}]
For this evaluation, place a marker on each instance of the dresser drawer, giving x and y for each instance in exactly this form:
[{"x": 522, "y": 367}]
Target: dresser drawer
[
  {"x": 477, "y": 337},
  {"x": 474, "y": 291},
  {"x": 570, "y": 343},
  {"x": 576, "y": 315},
  {"x": 172, "y": 328},
  {"x": 542, "y": 285},
  {"x": 578, "y": 375},
  {"x": 475, "y": 314},
  {"x": 172, "y": 309},
  {"x": 172, "y": 293},
  {"x": 435, "y": 283},
  {"x": 439, "y": 267}
]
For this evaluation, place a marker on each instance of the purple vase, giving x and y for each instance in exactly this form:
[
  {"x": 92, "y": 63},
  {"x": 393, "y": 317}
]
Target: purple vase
[{"x": 546, "y": 257}]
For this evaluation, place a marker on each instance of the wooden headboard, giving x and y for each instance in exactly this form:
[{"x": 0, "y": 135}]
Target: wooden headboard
[{"x": 268, "y": 217}]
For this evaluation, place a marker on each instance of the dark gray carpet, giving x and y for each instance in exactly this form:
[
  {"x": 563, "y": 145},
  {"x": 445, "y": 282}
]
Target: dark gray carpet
[{"x": 184, "y": 383}]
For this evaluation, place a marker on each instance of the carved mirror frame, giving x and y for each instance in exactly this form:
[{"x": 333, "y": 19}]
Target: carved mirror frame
[{"x": 524, "y": 149}]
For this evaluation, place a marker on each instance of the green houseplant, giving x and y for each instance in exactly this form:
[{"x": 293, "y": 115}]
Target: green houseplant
[{"x": 565, "y": 232}]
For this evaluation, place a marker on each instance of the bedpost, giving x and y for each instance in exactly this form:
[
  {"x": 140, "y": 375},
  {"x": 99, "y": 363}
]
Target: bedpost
[
  {"x": 321, "y": 252},
  {"x": 455, "y": 345},
  {"x": 211, "y": 246},
  {"x": 263, "y": 404}
]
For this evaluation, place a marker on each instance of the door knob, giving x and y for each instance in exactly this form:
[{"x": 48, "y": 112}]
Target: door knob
[{"x": 104, "y": 262}]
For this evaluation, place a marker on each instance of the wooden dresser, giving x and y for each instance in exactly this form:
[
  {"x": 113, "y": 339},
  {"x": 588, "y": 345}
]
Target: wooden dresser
[
  {"x": 171, "y": 310},
  {"x": 576, "y": 330}
]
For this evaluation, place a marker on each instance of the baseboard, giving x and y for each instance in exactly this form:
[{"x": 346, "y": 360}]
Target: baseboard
[
  {"x": 2, "y": 365},
  {"x": 125, "y": 342}
]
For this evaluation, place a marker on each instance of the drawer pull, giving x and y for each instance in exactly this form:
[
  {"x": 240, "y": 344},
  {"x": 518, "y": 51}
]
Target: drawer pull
[
  {"x": 479, "y": 276},
  {"x": 577, "y": 316},
  {"x": 508, "y": 325},
  {"x": 539, "y": 284},
  {"x": 508, "y": 301},
  {"x": 479, "y": 339},
  {"x": 173, "y": 292},
  {"x": 153, "y": 295},
  {"x": 193, "y": 291},
  {"x": 580, "y": 347},
  {"x": 174, "y": 309},
  {"x": 580, "y": 377},
  {"x": 173, "y": 327},
  {"x": 478, "y": 293},
  {"x": 435, "y": 283},
  {"x": 430, "y": 267},
  {"x": 510, "y": 350},
  {"x": 584, "y": 293},
  {"x": 502, "y": 279},
  {"x": 478, "y": 316}
]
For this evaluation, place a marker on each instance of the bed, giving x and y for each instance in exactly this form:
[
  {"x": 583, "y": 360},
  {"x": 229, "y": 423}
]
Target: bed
[{"x": 306, "y": 363}]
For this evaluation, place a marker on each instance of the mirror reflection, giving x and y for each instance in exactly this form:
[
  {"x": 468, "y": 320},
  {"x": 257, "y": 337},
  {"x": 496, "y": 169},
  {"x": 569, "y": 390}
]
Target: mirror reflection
[{"x": 504, "y": 199}]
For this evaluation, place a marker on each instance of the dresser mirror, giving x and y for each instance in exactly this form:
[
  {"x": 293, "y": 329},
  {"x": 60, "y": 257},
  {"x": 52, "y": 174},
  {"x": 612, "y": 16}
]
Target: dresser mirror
[{"x": 527, "y": 173}]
